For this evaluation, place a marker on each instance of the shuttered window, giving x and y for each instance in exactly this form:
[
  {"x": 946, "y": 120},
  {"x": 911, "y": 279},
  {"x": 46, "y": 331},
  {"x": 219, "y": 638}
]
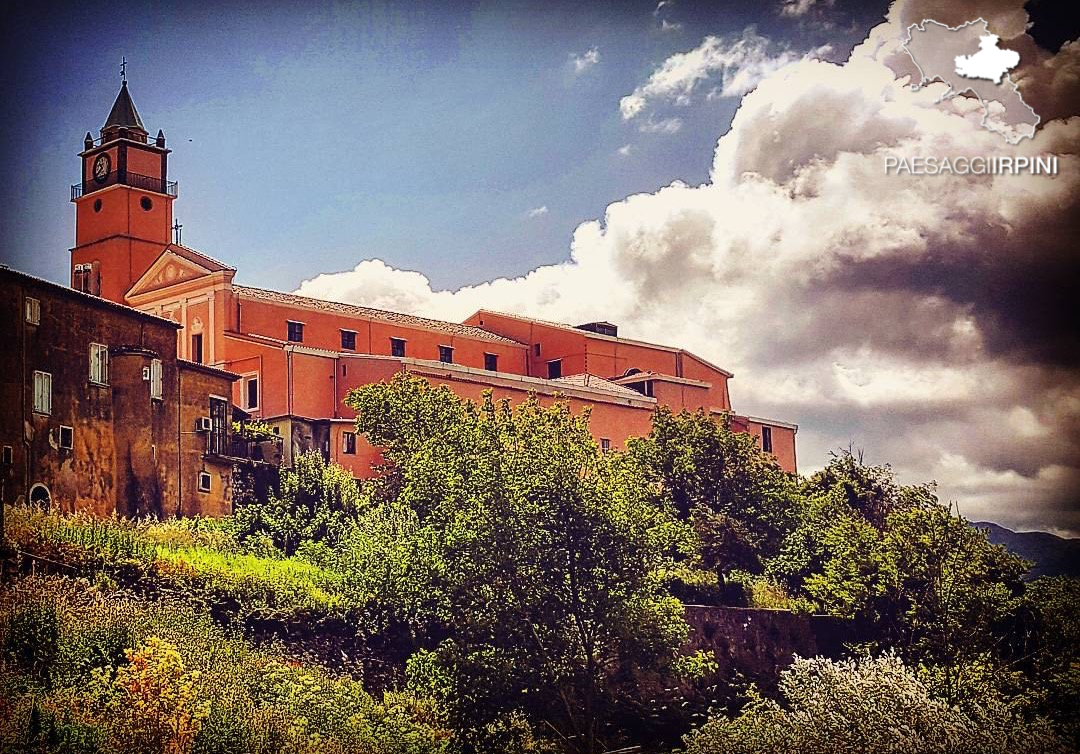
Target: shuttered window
[
  {"x": 155, "y": 378},
  {"x": 43, "y": 392},
  {"x": 99, "y": 364}
]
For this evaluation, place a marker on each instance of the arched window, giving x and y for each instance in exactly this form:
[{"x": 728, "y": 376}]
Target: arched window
[{"x": 39, "y": 495}]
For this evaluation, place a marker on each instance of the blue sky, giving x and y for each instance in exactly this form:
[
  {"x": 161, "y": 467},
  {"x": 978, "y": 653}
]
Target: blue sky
[
  {"x": 310, "y": 136},
  {"x": 921, "y": 320}
]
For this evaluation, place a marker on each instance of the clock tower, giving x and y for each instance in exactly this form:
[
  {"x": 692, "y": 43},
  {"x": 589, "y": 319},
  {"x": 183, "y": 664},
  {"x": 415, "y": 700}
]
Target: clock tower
[{"x": 123, "y": 203}]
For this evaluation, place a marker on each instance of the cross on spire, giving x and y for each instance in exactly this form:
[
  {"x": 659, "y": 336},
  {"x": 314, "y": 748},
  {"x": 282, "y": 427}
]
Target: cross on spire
[
  {"x": 177, "y": 228},
  {"x": 123, "y": 70}
]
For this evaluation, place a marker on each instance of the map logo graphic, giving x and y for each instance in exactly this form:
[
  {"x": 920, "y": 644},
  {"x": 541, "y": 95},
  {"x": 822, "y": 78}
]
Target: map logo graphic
[{"x": 967, "y": 58}]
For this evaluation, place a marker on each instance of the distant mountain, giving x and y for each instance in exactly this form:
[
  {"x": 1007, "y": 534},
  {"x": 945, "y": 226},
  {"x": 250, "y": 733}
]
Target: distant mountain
[{"x": 1052, "y": 555}]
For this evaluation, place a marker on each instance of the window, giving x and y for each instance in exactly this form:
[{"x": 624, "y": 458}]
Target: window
[
  {"x": 348, "y": 340},
  {"x": 219, "y": 426},
  {"x": 766, "y": 439},
  {"x": 196, "y": 348},
  {"x": 296, "y": 332},
  {"x": 33, "y": 311},
  {"x": 146, "y": 204},
  {"x": 204, "y": 481},
  {"x": 555, "y": 369},
  {"x": 99, "y": 364},
  {"x": 491, "y": 362},
  {"x": 155, "y": 379},
  {"x": 644, "y": 387},
  {"x": 66, "y": 440},
  {"x": 42, "y": 392},
  {"x": 251, "y": 392},
  {"x": 348, "y": 443},
  {"x": 397, "y": 346},
  {"x": 39, "y": 496},
  {"x": 6, "y": 457},
  {"x": 446, "y": 354},
  {"x": 605, "y": 444},
  {"x": 536, "y": 349}
]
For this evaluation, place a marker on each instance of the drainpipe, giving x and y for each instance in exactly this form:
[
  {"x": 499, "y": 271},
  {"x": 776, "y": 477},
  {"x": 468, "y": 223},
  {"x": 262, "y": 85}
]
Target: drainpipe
[{"x": 179, "y": 444}]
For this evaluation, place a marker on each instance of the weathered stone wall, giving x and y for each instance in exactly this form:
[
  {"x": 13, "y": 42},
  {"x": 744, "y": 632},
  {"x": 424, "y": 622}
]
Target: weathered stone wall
[
  {"x": 760, "y": 643},
  {"x": 131, "y": 453}
]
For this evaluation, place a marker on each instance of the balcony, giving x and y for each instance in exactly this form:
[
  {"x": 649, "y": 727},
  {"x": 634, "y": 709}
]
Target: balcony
[
  {"x": 144, "y": 182},
  {"x": 235, "y": 448}
]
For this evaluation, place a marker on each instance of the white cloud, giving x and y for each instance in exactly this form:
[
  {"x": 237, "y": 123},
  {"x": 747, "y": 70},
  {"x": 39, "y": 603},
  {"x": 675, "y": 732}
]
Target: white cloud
[
  {"x": 661, "y": 5},
  {"x": 740, "y": 63},
  {"x": 798, "y": 8},
  {"x": 538, "y": 211},
  {"x": 586, "y": 60},
  {"x": 624, "y": 150},
  {"x": 661, "y": 126},
  {"x": 666, "y": 25},
  {"x": 920, "y": 318}
]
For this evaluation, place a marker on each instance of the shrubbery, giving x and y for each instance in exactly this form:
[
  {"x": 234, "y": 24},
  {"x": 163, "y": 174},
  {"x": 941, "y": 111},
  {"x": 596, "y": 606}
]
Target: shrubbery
[
  {"x": 180, "y": 685},
  {"x": 515, "y": 588}
]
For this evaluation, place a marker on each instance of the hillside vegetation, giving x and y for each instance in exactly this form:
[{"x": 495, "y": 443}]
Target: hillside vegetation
[{"x": 505, "y": 586}]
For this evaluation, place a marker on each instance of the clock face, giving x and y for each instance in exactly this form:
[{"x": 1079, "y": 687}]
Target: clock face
[{"x": 102, "y": 165}]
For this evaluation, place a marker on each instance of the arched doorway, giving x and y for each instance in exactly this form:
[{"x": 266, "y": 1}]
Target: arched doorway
[{"x": 39, "y": 496}]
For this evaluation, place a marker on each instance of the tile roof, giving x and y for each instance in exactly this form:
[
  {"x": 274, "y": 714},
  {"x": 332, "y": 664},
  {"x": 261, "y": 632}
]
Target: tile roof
[
  {"x": 198, "y": 257},
  {"x": 352, "y": 310},
  {"x": 597, "y": 383},
  {"x": 601, "y": 336}
]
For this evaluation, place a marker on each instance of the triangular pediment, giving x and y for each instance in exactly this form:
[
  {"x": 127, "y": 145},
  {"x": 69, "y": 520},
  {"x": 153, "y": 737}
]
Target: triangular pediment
[{"x": 168, "y": 270}]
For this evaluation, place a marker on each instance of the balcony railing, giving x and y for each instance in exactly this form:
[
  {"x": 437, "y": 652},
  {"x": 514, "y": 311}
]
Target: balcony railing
[
  {"x": 238, "y": 448},
  {"x": 144, "y": 182}
]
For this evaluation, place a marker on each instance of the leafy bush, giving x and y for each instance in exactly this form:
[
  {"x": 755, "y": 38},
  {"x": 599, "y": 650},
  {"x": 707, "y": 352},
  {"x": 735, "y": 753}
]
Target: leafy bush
[
  {"x": 317, "y": 502},
  {"x": 871, "y": 705},
  {"x": 186, "y": 686}
]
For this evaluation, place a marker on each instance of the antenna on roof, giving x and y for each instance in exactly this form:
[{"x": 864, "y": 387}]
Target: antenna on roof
[{"x": 123, "y": 70}]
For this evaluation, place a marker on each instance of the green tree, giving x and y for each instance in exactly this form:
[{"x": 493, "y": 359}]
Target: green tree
[
  {"x": 952, "y": 593},
  {"x": 743, "y": 502},
  {"x": 317, "y": 501},
  {"x": 546, "y": 555}
]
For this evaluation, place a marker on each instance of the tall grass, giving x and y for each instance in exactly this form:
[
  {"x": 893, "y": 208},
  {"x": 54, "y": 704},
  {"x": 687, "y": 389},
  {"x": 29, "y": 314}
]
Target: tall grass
[{"x": 196, "y": 556}]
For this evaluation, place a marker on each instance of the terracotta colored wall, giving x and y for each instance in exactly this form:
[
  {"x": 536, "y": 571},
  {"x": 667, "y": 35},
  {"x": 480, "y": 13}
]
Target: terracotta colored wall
[
  {"x": 783, "y": 440},
  {"x": 323, "y": 330},
  {"x": 122, "y": 236}
]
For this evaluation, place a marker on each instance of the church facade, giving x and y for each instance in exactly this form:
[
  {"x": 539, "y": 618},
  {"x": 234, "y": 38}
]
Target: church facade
[{"x": 297, "y": 358}]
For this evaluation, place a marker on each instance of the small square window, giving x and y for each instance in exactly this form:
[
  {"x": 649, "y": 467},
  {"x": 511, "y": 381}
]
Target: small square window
[
  {"x": 766, "y": 439},
  {"x": 348, "y": 443},
  {"x": 491, "y": 362},
  {"x": 6, "y": 457},
  {"x": 536, "y": 349},
  {"x": 33, "y": 311},
  {"x": 66, "y": 439},
  {"x": 296, "y": 332},
  {"x": 42, "y": 393},
  {"x": 397, "y": 346},
  {"x": 605, "y": 444},
  {"x": 99, "y": 364},
  {"x": 446, "y": 354},
  {"x": 555, "y": 369},
  {"x": 348, "y": 340},
  {"x": 204, "y": 481}
]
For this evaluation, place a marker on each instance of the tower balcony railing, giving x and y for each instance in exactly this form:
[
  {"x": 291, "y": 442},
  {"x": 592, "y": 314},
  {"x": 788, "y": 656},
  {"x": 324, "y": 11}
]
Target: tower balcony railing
[{"x": 144, "y": 182}]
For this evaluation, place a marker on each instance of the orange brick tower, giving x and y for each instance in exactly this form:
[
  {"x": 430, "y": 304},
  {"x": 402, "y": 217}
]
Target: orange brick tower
[{"x": 123, "y": 204}]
